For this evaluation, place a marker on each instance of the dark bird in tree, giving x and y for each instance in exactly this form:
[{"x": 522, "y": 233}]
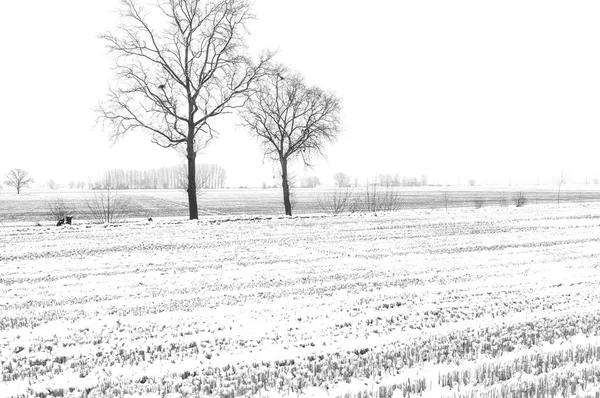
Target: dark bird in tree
[
  {"x": 280, "y": 77},
  {"x": 162, "y": 86}
]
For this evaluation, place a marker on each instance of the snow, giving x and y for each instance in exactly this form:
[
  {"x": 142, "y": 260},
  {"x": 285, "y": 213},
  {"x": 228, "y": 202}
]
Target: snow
[{"x": 89, "y": 305}]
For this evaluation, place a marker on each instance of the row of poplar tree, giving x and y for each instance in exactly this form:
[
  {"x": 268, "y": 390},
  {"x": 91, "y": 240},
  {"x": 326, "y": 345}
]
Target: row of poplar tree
[{"x": 208, "y": 176}]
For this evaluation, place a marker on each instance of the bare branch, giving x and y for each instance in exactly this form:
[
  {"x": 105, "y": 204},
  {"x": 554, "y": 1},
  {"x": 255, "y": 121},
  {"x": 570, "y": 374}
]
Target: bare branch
[{"x": 291, "y": 119}]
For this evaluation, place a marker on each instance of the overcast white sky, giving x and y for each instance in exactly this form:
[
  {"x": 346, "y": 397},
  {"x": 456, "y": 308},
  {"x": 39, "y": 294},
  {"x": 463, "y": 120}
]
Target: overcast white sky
[{"x": 453, "y": 89}]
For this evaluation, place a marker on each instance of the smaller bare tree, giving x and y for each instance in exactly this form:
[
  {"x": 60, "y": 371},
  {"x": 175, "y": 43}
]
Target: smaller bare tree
[
  {"x": 520, "y": 199},
  {"x": 292, "y": 121},
  {"x": 18, "y": 178},
  {"x": 310, "y": 182},
  {"x": 560, "y": 180},
  {"x": 341, "y": 180},
  {"x": 446, "y": 199}
]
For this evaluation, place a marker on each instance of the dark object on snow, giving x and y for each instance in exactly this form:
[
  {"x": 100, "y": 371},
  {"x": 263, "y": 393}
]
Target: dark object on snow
[
  {"x": 69, "y": 220},
  {"x": 60, "y": 222},
  {"x": 149, "y": 218}
]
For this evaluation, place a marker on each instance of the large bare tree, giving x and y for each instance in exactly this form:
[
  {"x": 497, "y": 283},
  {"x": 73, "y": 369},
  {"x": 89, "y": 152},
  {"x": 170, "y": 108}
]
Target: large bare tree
[
  {"x": 177, "y": 68},
  {"x": 291, "y": 120},
  {"x": 18, "y": 178}
]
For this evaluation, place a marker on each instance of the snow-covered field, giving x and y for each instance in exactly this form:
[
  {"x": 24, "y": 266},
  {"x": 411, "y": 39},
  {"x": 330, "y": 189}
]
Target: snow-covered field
[
  {"x": 493, "y": 302},
  {"x": 33, "y": 205}
]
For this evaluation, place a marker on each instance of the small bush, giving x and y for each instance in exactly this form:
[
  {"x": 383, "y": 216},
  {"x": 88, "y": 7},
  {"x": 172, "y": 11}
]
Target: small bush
[
  {"x": 520, "y": 199},
  {"x": 502, "y": 201},
  {"x": 59, "y": 208},
  {"x": 478, "y": 203},
  {"x": 381, "y": 199},
  {"x": 108, "y": 206},
  {"x": 339, "y": 201}
]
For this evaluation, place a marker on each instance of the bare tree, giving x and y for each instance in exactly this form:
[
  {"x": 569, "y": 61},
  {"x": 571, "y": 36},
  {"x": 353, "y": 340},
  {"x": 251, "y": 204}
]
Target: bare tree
[
  {"x": 172, "y": 79},
  {"x": 478, "y": 203},
  {"x": 560, "y": 180},
  {"x": 291, "y": 120},
  {"x": 520, "y": 199},
  {"x": 341, "y": 180},
  {"x": 18, "y": 178},
  {"x": 310, "y": 182},
  {"x": 338, "y": 201},
  {"x": 51, "y": 184},
  {"x": 446, "y": 199}
]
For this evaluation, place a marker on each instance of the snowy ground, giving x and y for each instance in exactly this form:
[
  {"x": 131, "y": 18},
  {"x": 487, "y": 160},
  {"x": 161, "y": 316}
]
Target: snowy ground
[
  {"x": 498, "y": 301},
  {"x": 33, "y": 206}
]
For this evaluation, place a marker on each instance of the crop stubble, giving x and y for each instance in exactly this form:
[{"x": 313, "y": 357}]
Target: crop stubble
[{"x": 487, "y": 302}]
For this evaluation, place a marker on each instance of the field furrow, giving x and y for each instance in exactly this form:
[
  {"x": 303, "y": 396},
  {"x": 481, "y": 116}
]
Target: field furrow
[{"x": 462, "y": 303}]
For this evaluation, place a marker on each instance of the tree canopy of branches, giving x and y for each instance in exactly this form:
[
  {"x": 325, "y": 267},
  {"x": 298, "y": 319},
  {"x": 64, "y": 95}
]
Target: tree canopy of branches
[
  {"x": 291, "y": 120},
  {"x": 18, "y": 178},
  {"x": 310, "y": 182},
  {"x": 176, "y": 69},
  {"x": 341, "y": 180}
]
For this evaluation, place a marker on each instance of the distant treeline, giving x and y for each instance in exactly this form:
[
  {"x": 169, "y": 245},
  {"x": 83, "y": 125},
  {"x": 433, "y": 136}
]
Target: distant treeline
[
  {"x": 384, "y": 179},
  {"x": 395, "y": 180},
  {"x": 208, "y": 176}
]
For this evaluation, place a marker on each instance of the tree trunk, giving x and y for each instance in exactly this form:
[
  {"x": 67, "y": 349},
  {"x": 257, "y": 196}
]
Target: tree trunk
[
  {"x": 191, "y": 186},
  {"x": 286, "y": 188}
]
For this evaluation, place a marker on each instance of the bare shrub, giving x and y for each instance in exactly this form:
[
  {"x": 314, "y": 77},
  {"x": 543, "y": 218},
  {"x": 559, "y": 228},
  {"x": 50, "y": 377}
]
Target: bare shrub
[
  {"x": 340, "y": 200},
  {"x": 378, "y": 198},
  {"x": 108, "y": 206},
  {"x": 502, "y": 201},
  {"x": 560, "y": 180},
  {"x": 341, "y": 180},
  {"x": 478, "y": 203},
  {"x": 446, "y": 198},
  {"x": 520, "y": 199},
  {"x": 59, "y": 208}
]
